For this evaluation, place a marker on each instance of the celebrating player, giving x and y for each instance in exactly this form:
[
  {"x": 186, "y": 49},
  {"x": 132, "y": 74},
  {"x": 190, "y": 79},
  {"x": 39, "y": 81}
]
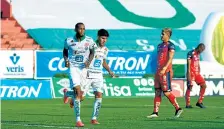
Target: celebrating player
[
  {"x": 164, "y": 73},
  {"x": 193, "y": 74},
  {"x": 78, "y": 52},
  {"x": 95, "y": 75}
]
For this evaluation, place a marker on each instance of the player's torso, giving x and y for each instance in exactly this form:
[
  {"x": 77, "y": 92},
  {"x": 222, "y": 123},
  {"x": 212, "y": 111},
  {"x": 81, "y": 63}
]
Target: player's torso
[
  {"x": 195, "y": 63},
  {"x": 99, "y": 55},
  {"x": 79, "y": 51},
  {"x": 163, "y": 56}
]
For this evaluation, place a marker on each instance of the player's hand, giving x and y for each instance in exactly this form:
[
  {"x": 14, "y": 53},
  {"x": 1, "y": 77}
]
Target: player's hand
[
  {"x": 87, "y": 64},
  {"x": 162, "y": 72},
  {"x": 67, "y": 63},
  {"x": 112, "y": 74}
]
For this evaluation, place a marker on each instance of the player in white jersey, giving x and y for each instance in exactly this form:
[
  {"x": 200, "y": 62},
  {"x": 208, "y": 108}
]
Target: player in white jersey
[
  {"x": 78, "y": 52},
  {"x": 95, "y": 73}
]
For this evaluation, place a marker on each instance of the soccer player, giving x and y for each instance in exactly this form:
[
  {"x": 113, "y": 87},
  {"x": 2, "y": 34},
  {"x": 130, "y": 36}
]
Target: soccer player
[
  {"x": 95, "y": 73},
  {"x": 164, "y": 73},
  {"x": 78, "y": 52},
  {"x": 193, "y": 74}
]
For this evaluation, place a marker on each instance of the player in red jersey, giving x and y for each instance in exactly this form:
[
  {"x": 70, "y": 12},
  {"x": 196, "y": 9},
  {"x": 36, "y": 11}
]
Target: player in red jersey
[
  {"x": 164, "y": 73},
  {"x": 193, "y": 74}
]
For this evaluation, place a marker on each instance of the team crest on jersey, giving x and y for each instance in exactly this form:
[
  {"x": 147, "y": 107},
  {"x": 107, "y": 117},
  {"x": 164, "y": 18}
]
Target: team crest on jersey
[
  {"x": 86, "y": 44},
  {"x": 164, "y": 78}
]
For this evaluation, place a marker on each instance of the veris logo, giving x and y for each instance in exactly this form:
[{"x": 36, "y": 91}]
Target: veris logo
[
  {"x": 14, "y": 58},
  {"x": 15, "y": 68}
]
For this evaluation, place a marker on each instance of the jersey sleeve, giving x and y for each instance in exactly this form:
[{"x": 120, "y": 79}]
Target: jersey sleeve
[
  {"x": 189, "y": 55},
  {"x": 92, "y": 45},
  {"x": 66, "y": 44},
  {"x": 171, "y": 47},
  {"x": 105, "y": 53}
]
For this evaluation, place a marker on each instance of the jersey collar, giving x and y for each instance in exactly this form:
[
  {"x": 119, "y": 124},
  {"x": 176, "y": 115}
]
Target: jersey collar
[{"x": 82, "y": 38}]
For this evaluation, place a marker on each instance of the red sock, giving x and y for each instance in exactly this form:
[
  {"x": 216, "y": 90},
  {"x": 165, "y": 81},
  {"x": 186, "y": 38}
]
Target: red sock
[
  {"x": 173, "y": 100},
  {"x": 201, "y": 96},
  {"x": 157, "y": 101},
  {"x": 187, "y": 97}
]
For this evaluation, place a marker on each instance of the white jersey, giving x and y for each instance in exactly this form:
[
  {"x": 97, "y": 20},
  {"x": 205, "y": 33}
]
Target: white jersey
[
  {"x": 96, "y": 66},
  {"x": 78, "y": 52},
  {"x": 100, "y": 53}
]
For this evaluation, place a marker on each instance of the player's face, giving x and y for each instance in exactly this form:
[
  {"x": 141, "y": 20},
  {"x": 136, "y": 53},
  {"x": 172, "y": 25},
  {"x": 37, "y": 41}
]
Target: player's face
[
  {"x": 201, "y": 49},
  {"x": 81, "y": 30},
  {"x": 102, "y": 40},
  {"x": 164, "y": 37}
]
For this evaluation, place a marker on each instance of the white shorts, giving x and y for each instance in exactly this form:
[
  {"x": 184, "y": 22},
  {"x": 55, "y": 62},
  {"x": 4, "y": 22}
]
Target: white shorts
[
  {"x": 77, "y": 77},
  {"x": 96, "y": 84}
]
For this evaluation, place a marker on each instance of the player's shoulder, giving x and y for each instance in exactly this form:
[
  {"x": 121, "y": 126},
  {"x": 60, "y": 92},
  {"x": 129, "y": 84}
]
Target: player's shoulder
[
  {"x": 191, "y": 52},
  {"x": 89, "y": 39},
  {"x": 106, "y": 49},
  {"x": 69, "y": 39},
  {"x": 171, "y": 45}
]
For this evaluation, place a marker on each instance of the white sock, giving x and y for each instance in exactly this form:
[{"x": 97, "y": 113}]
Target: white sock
[
  {"x": 70, "y": 93},
  {"x": 77, "y": 109},
  {"x": 96, "y": 108}
]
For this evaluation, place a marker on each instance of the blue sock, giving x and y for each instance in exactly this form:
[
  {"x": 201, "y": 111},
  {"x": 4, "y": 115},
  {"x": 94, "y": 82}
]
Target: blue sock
[
  {"x": 77, "y": 109},
  {"x": 70, "y": 93},
  {"x": 96, "y": 108}
]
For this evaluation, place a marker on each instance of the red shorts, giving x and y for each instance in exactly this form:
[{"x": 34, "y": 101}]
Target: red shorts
[
  {"x": 197, "y": 78},
  {"x": 163, "y": 82}
]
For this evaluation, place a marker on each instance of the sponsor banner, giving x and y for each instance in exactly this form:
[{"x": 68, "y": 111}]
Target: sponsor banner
[
  {"x": 25, "y": 89},
  {"x": 214, "y": 87},
  {"x": 113, "y": 87},
  {"x": 16, "y": 64},
  {"x": 49, "y": 63}
]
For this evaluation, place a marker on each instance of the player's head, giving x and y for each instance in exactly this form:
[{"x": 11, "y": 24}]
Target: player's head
[
  {"x": 80, "y": 29},
  {"x": 102, "y": 36},
  {"x": 200, "y": 48},
  {"x": 166, "y": 34}
]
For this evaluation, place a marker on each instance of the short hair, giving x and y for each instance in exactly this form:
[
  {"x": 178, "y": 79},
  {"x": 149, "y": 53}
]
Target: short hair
[
  {"x": 201, "y": 44},
  {"x": 103, "y": 32},
  {"x": 77, "y": 25},
  {"x": 169, "y": 30}
]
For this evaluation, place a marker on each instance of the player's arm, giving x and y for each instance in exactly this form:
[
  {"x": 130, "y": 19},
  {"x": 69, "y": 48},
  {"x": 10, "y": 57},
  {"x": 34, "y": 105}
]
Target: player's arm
[
  {"x": 188, "y": 69},
  {"x": 105, "y": 65},
  {"x": 189, "y": 56},
  {"x": 91, "y": 54},
  {"x": 65, "y": 54},
  {"x": 170, "y": 58}
]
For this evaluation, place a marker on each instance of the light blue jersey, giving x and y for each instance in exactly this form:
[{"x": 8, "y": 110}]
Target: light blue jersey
[
  {"x": 100, "y": 53},
  {"x": 78, "y": 52}
]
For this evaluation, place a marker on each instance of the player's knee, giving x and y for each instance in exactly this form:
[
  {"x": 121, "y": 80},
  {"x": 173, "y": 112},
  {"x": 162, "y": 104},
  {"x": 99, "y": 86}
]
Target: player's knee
[
  {"x": 166, "y": 93},
  {"x": 203, "y": 86},
  {"x": 77, "y": 90},
  {"x": 189, "y": 87},
  {"x": 157, "y": 92},
  {"x": 98, "y": 94}
]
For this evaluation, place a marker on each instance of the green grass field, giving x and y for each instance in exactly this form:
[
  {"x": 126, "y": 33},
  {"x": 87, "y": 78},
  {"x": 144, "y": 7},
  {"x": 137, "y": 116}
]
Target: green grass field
[{"x": 117, "y": 113}]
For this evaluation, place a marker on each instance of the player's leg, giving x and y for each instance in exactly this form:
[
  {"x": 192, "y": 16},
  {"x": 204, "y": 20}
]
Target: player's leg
[
  {"x": 166, "y": 88},
  {"x": 75, "y": 78},
  {"x": 200, "y": 81},
  {"x": 157, "y": 98},
  {"x": 187, "y": 94},
  {"x": 67, "y": 93},
  {"x": 97, "y": 85}
]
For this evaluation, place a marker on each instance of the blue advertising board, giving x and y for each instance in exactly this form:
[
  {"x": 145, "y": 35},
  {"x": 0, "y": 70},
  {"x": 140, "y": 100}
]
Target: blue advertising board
[
  {"x": 25, "y": 89},
  {"x": 49, "y": 63}
]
